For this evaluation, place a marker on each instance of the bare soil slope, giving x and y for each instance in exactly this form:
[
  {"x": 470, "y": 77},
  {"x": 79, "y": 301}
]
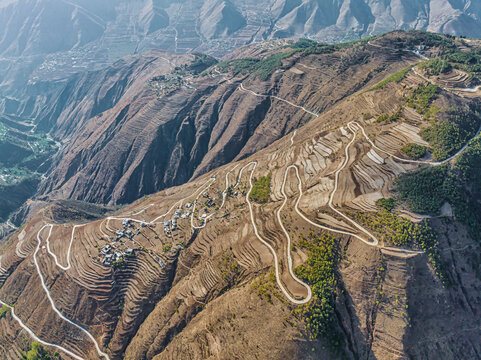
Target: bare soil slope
[{"x": 203, "y": 271}]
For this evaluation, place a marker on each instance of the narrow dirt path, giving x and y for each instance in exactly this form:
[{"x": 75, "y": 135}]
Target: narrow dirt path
[
  {"x": 288, "y": 247},
  {"x": 35, "y": 337},
  {"x": 276, "y": 261},
  {"x": 52, "y": 303}
]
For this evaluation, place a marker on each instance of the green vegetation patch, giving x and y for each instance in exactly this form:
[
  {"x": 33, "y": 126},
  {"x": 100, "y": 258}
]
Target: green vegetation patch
[
  {"x": 386, "y": 203},
  {"x": 21, "y": 154},
  {"x": 422, "y": 97},
  {"x": 428, "y": 39},
  {"x": 261, "y": 69},
  {"x": 466, "y": 200},
  {"x": 385, "y": 118},
  {"x": 468, "y": 165},
  {"x": 424, "y": 190},
  {"x": 414, "y": 151},
  {"x": 304, "y": 44},
  {"x": 450, "y": 128},
  {"x": 238, "y": 66},
  {"x": 434, "y": 67},
  {"x": 166, "y": 247},
  {"x": 308, "y": 47},
  {"x": 229, "y": 268},
  {"x": 469, "y": 62},
  {"x": 398, "y": 231},
  {"x": 449, "y": 54},
  {"x": 201, "y": 62},
  {"x": 38, "y": 352},
  {"x": 265, "y": 68},
  {"x": 261, "y": 190},
  {"x": 396, "y": 77},
  {"x": 4, "y": 311},
  {"x": 427, "y": 189},
  {"x": 320, "y": 272},
  {"x": 266, "y": 287},
  {"x": 449, "y": 134},
  {"x": 393, "y": 229}
]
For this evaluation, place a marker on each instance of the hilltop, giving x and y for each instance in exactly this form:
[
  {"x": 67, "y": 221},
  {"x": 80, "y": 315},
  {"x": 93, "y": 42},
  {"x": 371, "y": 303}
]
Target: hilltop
[
  {"x": 95, "y": 34},
  {"x": 353, "y": 233}
]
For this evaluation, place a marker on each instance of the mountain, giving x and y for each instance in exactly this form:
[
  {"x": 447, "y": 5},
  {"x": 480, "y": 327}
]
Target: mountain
[
  {"x": 154, "y": 131},
  {"x": 347, "y": 228},
  {"x": 56, "y": 38},
  {"x": 173, "y": 116},
  {"x": 48, "y": 47}
]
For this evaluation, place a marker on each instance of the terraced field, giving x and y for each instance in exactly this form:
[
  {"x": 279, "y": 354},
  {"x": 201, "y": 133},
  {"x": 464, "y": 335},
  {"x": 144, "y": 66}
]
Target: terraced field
[{"x": 125, "y": 285}]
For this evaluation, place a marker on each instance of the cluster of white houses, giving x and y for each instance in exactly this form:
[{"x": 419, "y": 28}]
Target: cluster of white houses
[
  {"x": 112, "y": 256},
  {"x": 171, "y": 225}
]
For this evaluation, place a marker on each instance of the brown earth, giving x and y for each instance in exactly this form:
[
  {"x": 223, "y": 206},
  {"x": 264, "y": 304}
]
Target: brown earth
[
  {"x": 138, "y": 143},
  {"x": 199, "y": 302}
]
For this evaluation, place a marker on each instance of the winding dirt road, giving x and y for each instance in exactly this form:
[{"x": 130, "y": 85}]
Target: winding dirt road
[
  {"x": 49, "y": 296},
  {"x": 288, "y": 248},
  {"x": 371, "y": 240},
  {"x": 35, "y": 337},
  {"x": 276, "y": 261}
]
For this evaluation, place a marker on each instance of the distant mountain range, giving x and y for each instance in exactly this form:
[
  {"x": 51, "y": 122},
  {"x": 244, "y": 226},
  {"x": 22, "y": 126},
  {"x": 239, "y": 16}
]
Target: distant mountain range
[
  {"x": 60, "y": 69},
  {"x": 304, "y": 209},
  {"x": 55, "y": 38}
]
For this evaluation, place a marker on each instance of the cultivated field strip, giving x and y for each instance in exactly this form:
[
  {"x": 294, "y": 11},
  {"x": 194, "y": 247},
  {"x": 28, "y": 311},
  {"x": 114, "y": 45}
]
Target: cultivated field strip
[{"x": 326, "y": 172}]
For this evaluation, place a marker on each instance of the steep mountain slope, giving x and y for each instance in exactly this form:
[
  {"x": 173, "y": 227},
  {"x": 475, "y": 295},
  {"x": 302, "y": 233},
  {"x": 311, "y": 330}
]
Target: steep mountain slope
[
  {"x": 48, "y": 47},
  {"x": 157, "y": 131},
  {"x": 59, "y": 110},
  {"x": 97, "y": 33},
  {"x": 307, "y": 249}
]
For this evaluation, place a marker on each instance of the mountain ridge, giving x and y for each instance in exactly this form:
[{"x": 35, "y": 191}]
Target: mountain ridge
[
  {"x": 102, "y": 32},
  {"x": 191, "y": 270}
]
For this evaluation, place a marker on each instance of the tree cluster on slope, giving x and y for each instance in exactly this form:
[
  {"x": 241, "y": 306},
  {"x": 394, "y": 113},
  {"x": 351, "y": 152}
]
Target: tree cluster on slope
[{"x": 319, "y": 271}]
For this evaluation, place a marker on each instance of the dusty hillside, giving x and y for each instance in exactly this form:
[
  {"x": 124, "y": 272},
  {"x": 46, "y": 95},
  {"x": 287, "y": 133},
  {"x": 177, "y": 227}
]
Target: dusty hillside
[
  {"x": 146, "y": 131},
  {"x": 309, "y": 248},
  {"x": 97, "y": 33}
]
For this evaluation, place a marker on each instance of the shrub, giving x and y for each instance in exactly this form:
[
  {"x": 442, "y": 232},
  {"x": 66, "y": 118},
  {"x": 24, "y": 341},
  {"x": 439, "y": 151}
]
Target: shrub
[
  {"x": 422, "y": 97},
  {"x": 386, "y": 203},
  {"x": 201, "y": 62},
  {"x": 304, "y": 44},
  {"x": 423, "y": 189},
  {"x": 319, "y": 271},
  {"x": 265, "y": 68},
  {"x": 266, "y": 287},
  {"x": 390, "y": 118},
  {"x": 229, "y": 268},
  {"x": 238, "y": 66},
  {"x": 436, "y": 66},
  {"x": 469, "y": 164},
  {"x": 399, "y": 231},
  {"x": 261, "y": 69},
  {"x": 446, "y": 136},
  {"x": 261, "y": 190},
  {"x": 414, "y": 151},
  {"x": 5, "y": 309},
  {"x": 166, "y": 247},
  {"x": 37, "y": 352}
]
